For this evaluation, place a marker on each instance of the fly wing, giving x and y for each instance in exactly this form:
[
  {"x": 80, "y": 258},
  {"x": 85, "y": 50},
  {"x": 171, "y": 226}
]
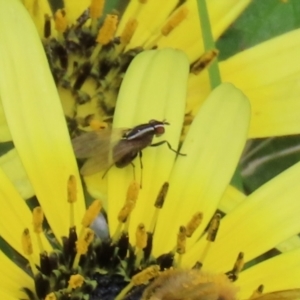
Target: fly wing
[
  {"x": 92, "y": 143},
  {"x": 96, "y": 147},
  {"x": 293, "y": 294}
]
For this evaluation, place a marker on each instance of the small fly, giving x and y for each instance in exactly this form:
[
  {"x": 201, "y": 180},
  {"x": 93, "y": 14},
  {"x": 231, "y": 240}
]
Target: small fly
[{"x": 119, "y": 147}]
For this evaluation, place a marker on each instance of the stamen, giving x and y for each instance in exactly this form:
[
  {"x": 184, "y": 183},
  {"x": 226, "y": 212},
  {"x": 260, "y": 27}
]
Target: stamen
[
  {"x": 181, "y": 244},
  {"x": 28, "y": 250},
  {"x": 211, "y": 236},
  {"x": 82, "y": 245},
  {"x": 72, "y": 197},
  {"x": 96, "y": 11},
  {"x": 47, "y": 27},
  {"x": 108, "y": 29},
  {"x": 175, "y": 20},
  {"x": 128, "y": 31},
  {"x": 37, "y": 220},
  {"x": 194, "y": 223},
  {"x": 51, "y": 297},
  {"x": 159, "y": 202},
  {"x": 131, "y": 198},
  {"x": 257, "y": 292},
  {"x": 204, "y": 61},
  {"x": 60, "y": 20},
  {"x": 238, "y": 266},
  {"x": 76, "y": 281},
  {"x": 140, "y": 278},
  {"x": 91, "y": 213},
  {"x": 96, "y": 8},
  {"x": 141, "y": 242}
]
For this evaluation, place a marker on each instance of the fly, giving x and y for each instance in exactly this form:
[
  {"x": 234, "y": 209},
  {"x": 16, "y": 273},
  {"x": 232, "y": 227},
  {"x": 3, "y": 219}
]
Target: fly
[{"x": 102, "y": 153}]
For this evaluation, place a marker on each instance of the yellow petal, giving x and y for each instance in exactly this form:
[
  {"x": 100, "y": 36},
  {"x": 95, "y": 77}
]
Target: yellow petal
[
  {"x": 4, "y": 130},
  {"x": 213, "y": 146},
  {"x": 278, "y": 273},
  {"x": 12, "y": 279},
  {"x": 289, "y": 244},
  {"x": 15, "y": 217},
  {"x": 231, "y": 198},
  {"x": 269, "y": 76},
  {"x": 149, "y": 92},
  {"x": 14, "y": 170},
  {"x": 268, "y": 216},
  {"x": 35, "y": 116},
  {"x": 188, "y": 37}
]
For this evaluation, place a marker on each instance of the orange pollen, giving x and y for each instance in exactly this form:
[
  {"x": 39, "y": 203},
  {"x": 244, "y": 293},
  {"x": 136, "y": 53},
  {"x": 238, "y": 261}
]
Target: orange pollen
[
  {"x": 72, "y": 189},
  {"x": 37, "y": 219},
  {"x": 141, "y": 236},
  {"x": 61, "y": 23},
  {"x": 76, "y": 281},
  {"x": 181, "y": 240},
  {"x": 194, "y": 224},
  {"x": 108, "y": 29},
  {"x": 91, "y": 213},
  {"x": 128, "y": 31},
  {"x": 83, "y": 244},
  {"x": 96, "y": 8},
  {"x": 26, "y": 242},
  {"x": 97, "y": 125},
  {"x": 145, "y": 275},
  {"x": 175, "y": 20}
]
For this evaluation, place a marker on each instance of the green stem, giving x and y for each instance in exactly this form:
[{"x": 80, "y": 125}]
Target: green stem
[{"x": 209, "y": 44}]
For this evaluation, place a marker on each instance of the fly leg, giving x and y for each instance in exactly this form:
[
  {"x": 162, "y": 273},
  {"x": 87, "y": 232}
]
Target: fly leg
[
  {"x": 142, "y": 167},
  {"x": 133, "y": 169},
  {"x": 168, "y": 144},
  {"x": 106, "y": 171}
]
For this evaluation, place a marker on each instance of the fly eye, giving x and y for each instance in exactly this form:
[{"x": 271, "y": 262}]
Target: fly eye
[{"x": 159, "y": 130}]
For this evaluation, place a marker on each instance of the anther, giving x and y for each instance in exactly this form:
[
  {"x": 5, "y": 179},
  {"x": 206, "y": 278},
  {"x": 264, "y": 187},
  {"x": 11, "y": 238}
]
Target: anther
[
  {"x": 76, "y": 281},
  {"x": 128, "y": 31},
  {"x": 181, "y": 240},
  {"x": 82, "y": 245},
  {"x": 131, "y": 197},
  {"x": 91, "y": 213},
  {"x": 61, "y": 23},
  {"x": 238, "y": 266},
  {"x": 28, "y": 250},
  {"x": 72, "y": 197},
  {"x": 175, "y": 20},
  {"x": 194, "y": 223},
  {"x": 47, "y": 26},
  {"x": 37, "y": 219},
  {"x": 51, "y": 296},
  {"x": 204, "y": 61},
  {"x": 257, "y": 292},
  {"x": 141, "y": 236},
  {"x": 145, "y": 275},
  {"x": 108, "y": 29},
  {"x": 72, "y": 189},
  {"x": 213, "y": 228},
  {"x": 162, "y": 195},
  {"x": 96, "y": 8}
]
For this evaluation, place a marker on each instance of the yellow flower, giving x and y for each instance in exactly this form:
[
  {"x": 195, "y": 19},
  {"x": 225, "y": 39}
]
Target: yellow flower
[{"x": 196, "y": 181}]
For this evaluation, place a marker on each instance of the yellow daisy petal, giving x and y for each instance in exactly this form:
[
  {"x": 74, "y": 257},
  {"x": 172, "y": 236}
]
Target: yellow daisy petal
[
  {"x": 146, "y": 87},
  {"x": 12, "y": 278},
  {"x": 199, "y": 179},
  {"x": 14, "y": 170},
  {"x": 16, "y": 217},
  {"x": 35, "y": 116},
  {"x": 278, "y": 273},
  {"x": 251, "y": 227},
  {"x": 231, "y": 198},
  {"x": 5, "y": 135},
  {"x": 269, "y": 76}
]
